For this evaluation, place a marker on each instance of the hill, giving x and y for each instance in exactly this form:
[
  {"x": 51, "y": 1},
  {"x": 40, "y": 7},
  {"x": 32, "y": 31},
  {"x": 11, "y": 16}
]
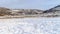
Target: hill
[
  {"x": 53, "y": 12},
  {"x": 26, "y": 12},
  {"x": 4, "y": 11}
]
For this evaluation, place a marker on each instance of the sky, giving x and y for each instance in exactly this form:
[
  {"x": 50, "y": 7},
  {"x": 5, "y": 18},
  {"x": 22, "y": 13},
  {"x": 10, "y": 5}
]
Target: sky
[{"x": 29, "y": 4}]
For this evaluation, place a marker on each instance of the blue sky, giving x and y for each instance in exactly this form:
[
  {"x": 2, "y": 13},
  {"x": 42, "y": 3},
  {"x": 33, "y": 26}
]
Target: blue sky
[{"x": 30, "y": 4}]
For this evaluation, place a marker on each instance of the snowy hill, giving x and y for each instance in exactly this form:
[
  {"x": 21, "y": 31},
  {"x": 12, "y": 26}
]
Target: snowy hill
[{"x": 55, "y": 11}]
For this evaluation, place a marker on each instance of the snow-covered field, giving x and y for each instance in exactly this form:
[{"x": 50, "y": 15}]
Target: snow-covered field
[{"x": 30, "y": 26}]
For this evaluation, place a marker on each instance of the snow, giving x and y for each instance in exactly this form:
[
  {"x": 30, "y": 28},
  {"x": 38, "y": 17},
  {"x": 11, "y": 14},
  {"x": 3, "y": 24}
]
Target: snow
[{"x": 30, "y": 26}]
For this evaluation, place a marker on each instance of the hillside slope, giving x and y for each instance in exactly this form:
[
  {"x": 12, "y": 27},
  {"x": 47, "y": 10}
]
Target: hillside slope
[{"x": 53, "y": 12}]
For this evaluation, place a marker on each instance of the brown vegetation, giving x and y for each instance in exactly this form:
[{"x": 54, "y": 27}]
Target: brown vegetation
[{"x": 4, "y": 11}]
